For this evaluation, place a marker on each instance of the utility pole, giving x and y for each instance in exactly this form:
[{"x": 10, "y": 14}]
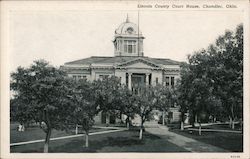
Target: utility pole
[{"x": 138, "y": 15}]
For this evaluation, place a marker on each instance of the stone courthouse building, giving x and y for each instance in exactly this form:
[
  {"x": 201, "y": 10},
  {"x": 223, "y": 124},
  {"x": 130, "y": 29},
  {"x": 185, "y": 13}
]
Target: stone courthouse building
[{"x": 129, "y": 64}]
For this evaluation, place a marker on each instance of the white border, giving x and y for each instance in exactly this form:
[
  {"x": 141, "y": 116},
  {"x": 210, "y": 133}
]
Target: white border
[{"x": 8, "y": 6}]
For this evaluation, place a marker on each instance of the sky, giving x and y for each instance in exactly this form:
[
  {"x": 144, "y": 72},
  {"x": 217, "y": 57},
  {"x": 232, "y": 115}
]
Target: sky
[{"x": 63, "y": 36}]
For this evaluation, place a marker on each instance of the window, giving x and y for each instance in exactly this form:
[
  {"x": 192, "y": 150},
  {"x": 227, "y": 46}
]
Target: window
[
  {"x": 101, "y": 77},
  {"x": 156, "y": 80},
  {"x": 129, "y": 46},
  {"x": 172, "y": 81},
  {"x": 77, "y": 77},
  {"x": 170, "y": 115},
  {"x": 118, "y": 45},
  {"x": 115, "y": 43},
  {"x": 130, "y": 49},
  {"x": 127, "y": 79},
  {"x": 167, "y": 81},
  {"x": 82, "y": 77},
  {"x": 120, "y": 79},
  {"x": 130, "y": 30}
]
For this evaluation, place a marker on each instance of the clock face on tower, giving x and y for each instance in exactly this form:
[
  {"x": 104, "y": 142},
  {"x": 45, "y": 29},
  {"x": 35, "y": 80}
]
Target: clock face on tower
[{"x": 130, "y": 30}]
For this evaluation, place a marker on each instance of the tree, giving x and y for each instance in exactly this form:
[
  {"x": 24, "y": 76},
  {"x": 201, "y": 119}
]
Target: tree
[
  {"x": 40, "y": 94},
  {"x": 145, "y": 103},
  {"x": 125, "y": 103},
  {"x": 165, "y": 98},
  {"x": 212, "y": 81},
  {"x": 106, "y": 90},
  {"x": 20, "y": 111},
  {"x": 229, "y": 84},
  {"x": 183, "y": 96},
  {"x": 85, "y": 107},
  {"x": 194, "y": 87}
]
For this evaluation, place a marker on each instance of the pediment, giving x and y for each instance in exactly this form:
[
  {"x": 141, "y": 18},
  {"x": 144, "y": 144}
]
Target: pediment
[{"x": 139, "y": 63}]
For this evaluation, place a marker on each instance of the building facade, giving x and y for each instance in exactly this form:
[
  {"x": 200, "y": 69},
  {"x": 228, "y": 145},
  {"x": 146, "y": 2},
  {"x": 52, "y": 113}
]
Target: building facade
[{"x": 129, "y": 64}]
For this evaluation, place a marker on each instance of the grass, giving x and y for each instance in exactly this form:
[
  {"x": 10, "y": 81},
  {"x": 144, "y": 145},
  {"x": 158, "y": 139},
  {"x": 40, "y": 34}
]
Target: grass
[
  {"x": 36, "y": 133},
  {"x": 222, "y": 127},
  {"x": 232, "y": 142},
  {"x": 125, "y": 141}
]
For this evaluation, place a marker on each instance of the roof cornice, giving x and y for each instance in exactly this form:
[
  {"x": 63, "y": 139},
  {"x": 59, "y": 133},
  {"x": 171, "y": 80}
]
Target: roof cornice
[{"x": 141, "y": 59}]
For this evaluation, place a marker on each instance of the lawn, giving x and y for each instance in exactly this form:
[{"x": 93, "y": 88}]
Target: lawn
[
  {"x": 232, "y": 142},
  {"x": 124, "y": 141},
  {"x": 222, "y": 127},
  {"x": 36, "y": 133}
]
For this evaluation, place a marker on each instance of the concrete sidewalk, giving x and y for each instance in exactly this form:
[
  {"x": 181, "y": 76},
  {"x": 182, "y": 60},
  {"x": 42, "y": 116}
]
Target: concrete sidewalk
[{"x": 182, "y": 141}]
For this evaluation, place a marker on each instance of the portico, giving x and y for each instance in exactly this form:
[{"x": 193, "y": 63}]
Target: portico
[{"x": 137, "y": 79}]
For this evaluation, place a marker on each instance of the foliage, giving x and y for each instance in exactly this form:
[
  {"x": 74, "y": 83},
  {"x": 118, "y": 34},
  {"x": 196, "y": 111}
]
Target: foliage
[
  {"x": 40, "y": 96},
  {"x": 106, "y": 91},
  {"x": 125, "y": 102},
  {"x": 83, "y": 101},
  {"x": 114, "y": 98},
  {"x": 165, "y": 97},
  {"x": 146, "y": 102},
  {"x": 212, "y": 81}
]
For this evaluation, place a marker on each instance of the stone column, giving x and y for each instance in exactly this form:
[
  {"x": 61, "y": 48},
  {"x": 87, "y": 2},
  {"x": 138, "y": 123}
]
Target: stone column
[
  {"x": 130, "y": 81},
  {"x": 92, "y": 75},
  {"x": 147, "y": 79}
]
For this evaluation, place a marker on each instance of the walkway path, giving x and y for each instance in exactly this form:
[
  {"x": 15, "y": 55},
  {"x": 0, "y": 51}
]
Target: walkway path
[{"x": 182, "y": 141}]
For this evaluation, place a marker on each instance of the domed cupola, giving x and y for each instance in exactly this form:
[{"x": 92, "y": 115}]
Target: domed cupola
[{"x": 128, "y": 40}]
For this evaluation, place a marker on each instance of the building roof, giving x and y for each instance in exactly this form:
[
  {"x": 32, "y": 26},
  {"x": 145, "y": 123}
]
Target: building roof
[{"x": 119, "y": 60}]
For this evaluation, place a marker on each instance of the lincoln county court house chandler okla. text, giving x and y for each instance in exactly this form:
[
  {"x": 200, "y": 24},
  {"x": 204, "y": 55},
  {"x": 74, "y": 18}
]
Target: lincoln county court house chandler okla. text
[{"x": 130, "y": 65}]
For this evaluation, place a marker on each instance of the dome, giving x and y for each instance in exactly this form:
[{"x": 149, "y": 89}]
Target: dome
[
  {"x": 127, "y": 28},
  {"x": 127, "y": 41}
]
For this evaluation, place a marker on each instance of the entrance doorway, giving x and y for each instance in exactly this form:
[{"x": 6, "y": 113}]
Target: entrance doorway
[{"x": 138, "y": 81}]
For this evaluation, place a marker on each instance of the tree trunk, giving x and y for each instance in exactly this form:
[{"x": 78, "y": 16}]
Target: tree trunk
[
  {"x": 232, "y": 117},
  {"x": 86, "y": 138},
  {"x": 141, "y": 130},
  {"x": 230, "y": 121},
  {"x": 76, "y": 132},
  {"x": 127, "y": 125},
  {"x": 199, "y": 128},
  {"x": 196, "y": 118},
  {"x": 192, "y": 120},
  {"x": 233, "y": 124},
  {"x": 163, "y": 117},
  {"x": 46, "y": 144},
  {"x": 127, "y": 121},
  {"x": 182, "y": 125},
  {"x": 48, "y": 130}
]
